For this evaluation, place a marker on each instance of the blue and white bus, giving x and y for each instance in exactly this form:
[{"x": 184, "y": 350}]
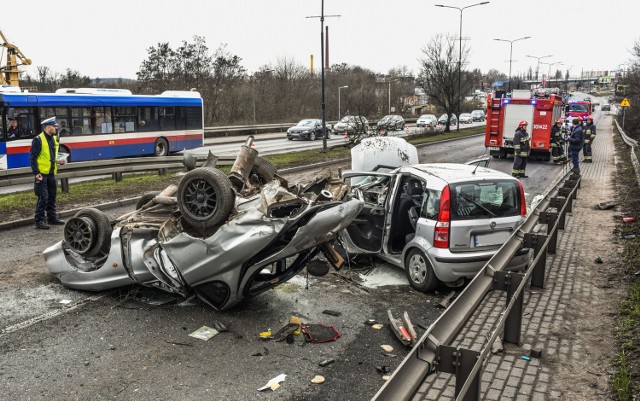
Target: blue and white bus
[{"x": 100, "y": 123}]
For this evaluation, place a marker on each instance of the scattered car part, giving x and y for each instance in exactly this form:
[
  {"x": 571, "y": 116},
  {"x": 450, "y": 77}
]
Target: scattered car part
[{"x": 403, "y": 329}]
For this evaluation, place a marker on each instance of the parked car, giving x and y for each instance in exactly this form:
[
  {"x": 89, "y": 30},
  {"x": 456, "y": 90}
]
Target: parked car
[
  {"x": 466, "y": 118},
  {"x": 441, "y": 222},
  {"x": 443, "y": 120},
  {"x": 222, "y": 237},
  {"x": 390, "y": 122},
  {"x": 605, "y": 107},
  {"x": 427, "y": 120},
  {"x": 351, "y": 124},
  {"x": 478, "y": 115},
  {"x": 309, "y": 129}
]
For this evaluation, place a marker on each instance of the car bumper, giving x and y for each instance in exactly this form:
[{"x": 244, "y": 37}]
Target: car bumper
[
  {"x": 449, "y": 266},
  {"x": 296, "y": 135}
]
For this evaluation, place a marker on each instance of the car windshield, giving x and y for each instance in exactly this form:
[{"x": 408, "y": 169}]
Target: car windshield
[
  {"x": 306, "y": 123},
  {"x": 347, "y": 119},
  {"x": 386, "y": 119},
  {"x": 484, "y": 200},
  {"x": 465, "y": 115},
  {"x": 577, "y": 107},
  {"x": 477, "y": 113}
]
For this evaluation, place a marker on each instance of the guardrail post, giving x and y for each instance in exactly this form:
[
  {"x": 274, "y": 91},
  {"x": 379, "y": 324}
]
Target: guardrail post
[
  {"x": 558, "y": 203},
  {"x": 509, "y": 281},
  {"x": 117, "y": 176},
  {"x": 162, "y": 171},
  {"x": 460, "y": 361},
  {"x": 567, "y": 193},
  {"x": 537, "y": 242},
  {"x": 550, "y": 218},
  {"x": 64, "y": 183}
]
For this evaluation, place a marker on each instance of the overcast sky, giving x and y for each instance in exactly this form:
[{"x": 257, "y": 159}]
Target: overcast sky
[{"x": 110, "y": 38}]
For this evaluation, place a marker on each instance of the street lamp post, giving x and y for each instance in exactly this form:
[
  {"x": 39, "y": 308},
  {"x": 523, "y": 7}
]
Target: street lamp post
[
  {"x": 549, "y": 70},
  {"x": 460, "y": 51},
  {"x": 538, "y": 58},
  {"x": 341, "y": 87},
  {"x": 511, "y": 53}
]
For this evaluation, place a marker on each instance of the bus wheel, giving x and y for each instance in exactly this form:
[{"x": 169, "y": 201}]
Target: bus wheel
[
  {"x": 88, "y": 232},
  {"x": 161, "y": 147},
  {"x": 205, "y": 197},
  {"x": 264, "y": 170}
]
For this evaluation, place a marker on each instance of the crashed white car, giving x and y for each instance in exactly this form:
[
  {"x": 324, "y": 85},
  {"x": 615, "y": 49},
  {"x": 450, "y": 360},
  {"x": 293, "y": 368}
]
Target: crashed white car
[{"x": 224, "y": 238}]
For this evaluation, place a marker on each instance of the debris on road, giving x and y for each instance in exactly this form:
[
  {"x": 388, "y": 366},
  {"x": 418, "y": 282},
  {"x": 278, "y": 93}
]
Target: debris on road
[
  {"x": 389, "y": 355},
  {"x": 598, "y": 259},
  {"x": 535, "y": 353},
  {"x": 403, "y": 329},
  {"x": 526, "y": 358},
  {"x": 446, "y": 301},
  {"x": 383, "y": 369},
  {"x": 607, "y": 205},
  {"x": 497, "y": 346},
  {"x": 331, "y": 312},
  {"x": 628, "y": 219},
  {"x": 218, "y": 325},
  {"x": 320, "y": 333},
  {"x": 274, "y": 383},
  {"x": 377, "y": 326},
  {"x": 286, "y": 331},
  {"x": 386, "y": 348},
  {"x": 264, "y": 352},
  {"x": 266, "y": 335},
  {"x": 371, "y": 322},
  {"x": 204, "y": 333},
  {"x": 64, "y": 301},
  {"x": 327, "y": 362},
  {"x": 318, "y": 379},
  {"x": 179, "y": 343}
]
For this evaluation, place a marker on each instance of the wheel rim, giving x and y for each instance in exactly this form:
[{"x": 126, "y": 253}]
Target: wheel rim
[
  {"x": 200, "y": 199},
  {"x": 160, "y": 148},
  {"x": 417, "y": 269},
  {"x": 79, "y": 233}
]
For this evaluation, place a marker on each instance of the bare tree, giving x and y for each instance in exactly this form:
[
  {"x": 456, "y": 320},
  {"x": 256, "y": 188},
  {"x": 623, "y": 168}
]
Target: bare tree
[{"x": 439, "y": 73}]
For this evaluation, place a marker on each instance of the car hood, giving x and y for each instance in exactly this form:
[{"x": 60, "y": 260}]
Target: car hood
[{"x": 391, "y": 152}]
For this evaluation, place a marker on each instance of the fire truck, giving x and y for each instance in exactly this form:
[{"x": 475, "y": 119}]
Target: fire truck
[
  {"x": 578, "y": 109},
  {"x": 504, "y": 114}
]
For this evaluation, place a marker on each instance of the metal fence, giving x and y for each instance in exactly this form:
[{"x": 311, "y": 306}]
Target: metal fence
[
  {"x": 434, "y": 352},
  {"x": 633, "y": 144}
]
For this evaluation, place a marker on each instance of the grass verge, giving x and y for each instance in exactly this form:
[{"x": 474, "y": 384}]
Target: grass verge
[
  {"x": 625, "y": 381},
  {"x": 22, "y": 204}
]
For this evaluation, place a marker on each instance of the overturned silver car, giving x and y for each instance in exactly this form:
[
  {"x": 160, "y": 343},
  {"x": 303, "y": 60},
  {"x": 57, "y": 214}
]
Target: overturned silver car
[{"x": 224, "y": 238}]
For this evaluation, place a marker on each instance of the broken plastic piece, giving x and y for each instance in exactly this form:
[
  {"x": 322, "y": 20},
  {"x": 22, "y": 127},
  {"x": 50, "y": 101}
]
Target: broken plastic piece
[
  {"x": 326, "y": 362},
  {"x": 204, "y": 333},
  {"x": 386, "y": 348},
  {"x": 383, "y": 369},
  {"x": 218, "y": 325},
  {"x": 266, "y": 334},
  {"x": 287, "y": 330},
  {"x": 296, "y": 320},
  {"x": 377, "y": 326},
  {"x": 274, "y": 383},
  {"x": 628, "y": 219},
  {"x": 320, "y": 333},
  {"x": 318, "y": 379},
  {"x": 370, "y": 322},
  {"x": 526, "y": 358},
  {"x": 331, "y": 312},
  {"x": 403, "y": 329}
]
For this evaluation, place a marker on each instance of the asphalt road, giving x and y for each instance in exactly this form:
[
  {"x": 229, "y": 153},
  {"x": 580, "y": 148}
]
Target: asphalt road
[{"x": 111, "y": 346}]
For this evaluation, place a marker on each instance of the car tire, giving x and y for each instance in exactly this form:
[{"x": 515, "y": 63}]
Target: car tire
[
  {"x": 264, "y": 170},
  {"x": 144, "y": 199},
  {"x": 161, "y": 147},
  {"x": 420, "y": 272},
  {"x": 289, "y": 138},
  {"x": 312, "y": 136},
  {"x": 205, "y": 197},
  {"x": 318, "y": 268},
  {"x": 88, "y": 232}
]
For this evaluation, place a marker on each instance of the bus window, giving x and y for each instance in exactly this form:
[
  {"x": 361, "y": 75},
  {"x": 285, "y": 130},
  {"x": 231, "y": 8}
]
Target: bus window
[
  {"x": 25, "y": 123},
  {"x": 80, "y": 120},
  {"x": 62, "y": 118},
  {"x": 124, "y": 119},
  {"x": 102, "y": 120},
  {"x": 3, "y": 138},
  {"x": 167, "y": 119},
  {"x": 180, "y": 118},
  {"x": 194, "y": 117},
  {"x": 148, "y": 119}
]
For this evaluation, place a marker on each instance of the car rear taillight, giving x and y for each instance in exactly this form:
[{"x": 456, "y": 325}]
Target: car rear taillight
[
  {"x": 523, "y": 202},
  {"x": 441, "y": 233}
]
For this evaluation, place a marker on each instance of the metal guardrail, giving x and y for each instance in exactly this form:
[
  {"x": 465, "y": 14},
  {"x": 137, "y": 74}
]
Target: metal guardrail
[
  {"x": 633, "y": 144},
  {"x": 434, "y": 353}
]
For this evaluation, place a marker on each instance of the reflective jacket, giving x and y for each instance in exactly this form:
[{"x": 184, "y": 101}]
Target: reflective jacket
[
  {"x": 521, "y": 146},
  {"x": 556, "y": 134},
  {"x": 44, "y": 149},
  {"x": 576, "y": 140},
  {"x": 590, "y": 131}
]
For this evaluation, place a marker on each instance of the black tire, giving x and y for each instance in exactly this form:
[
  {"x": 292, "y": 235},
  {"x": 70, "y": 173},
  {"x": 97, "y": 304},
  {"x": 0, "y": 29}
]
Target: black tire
[
  {"x": 318, "y": 268},
  {"x": 144, "y": 199},
  {"x": 312, "y": 136},
  {"x": 420, "y": 272},
  {"x": 264, "y": 170},
  {"x": 161, "y": 147},
  {"x": 88, "y": 232},
  {"x": 205, "y": 197},
  {"x": 289, "y": 138}
]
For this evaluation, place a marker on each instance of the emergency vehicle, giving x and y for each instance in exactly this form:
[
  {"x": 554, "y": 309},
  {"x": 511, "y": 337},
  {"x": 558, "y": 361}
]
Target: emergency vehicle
[
  {"x": 578, "y": 109},
  {"x": 504, "y": 114}
]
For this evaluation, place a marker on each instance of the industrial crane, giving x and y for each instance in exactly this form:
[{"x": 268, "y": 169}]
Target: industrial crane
[{"x": 10, "y": 72}]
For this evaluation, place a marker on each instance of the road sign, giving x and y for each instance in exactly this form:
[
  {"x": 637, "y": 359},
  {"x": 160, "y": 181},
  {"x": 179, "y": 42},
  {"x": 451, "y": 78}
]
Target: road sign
[{"x": 625, "y": 103}]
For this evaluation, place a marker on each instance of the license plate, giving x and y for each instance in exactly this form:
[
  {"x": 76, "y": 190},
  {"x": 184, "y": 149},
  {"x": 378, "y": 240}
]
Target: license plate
[
  {"x": 494, "y": 148},
  {"x": 496, "y": 238}
]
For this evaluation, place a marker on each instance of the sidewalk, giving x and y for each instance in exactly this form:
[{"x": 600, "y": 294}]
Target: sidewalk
[{"x": 570, "y": 320}]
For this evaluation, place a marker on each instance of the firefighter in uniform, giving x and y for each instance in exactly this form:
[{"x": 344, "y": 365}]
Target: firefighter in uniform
[
  {"x": 44, "y": 164},
  {"x": 521, "y": 150},
  {"x": 576, "y": 142},
  {"x": 557, "y": 143},
  {"x": 589, "y": 136}
]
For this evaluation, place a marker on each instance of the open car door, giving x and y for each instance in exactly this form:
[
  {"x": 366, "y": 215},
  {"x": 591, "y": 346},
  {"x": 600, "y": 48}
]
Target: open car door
[{"x": 365, "y": 234}]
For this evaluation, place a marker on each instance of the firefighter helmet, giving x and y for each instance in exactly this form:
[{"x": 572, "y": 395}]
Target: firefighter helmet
[
  {"x": 579, "y": 118},
  {"x": 589, "y": 117},
  {"x": 522, "y": 123},
  {"x": 559, "y": 120}
]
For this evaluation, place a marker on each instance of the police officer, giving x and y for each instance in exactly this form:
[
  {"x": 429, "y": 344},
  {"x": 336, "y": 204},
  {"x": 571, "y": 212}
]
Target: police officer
[
  {"x": 589, "y": 136},
  {"x": 557, "y": 142},
  {"x": 576, "y": 142},
  {"x": 44, "y": 152},
  {"x": 521, "y": 150}
]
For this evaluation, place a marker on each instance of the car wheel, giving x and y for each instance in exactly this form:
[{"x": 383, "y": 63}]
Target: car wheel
[
  {"x": 205, "y": 197},
  {"x": 161, "y": 147},
  {"x": 420, "y": 272},
  {"x": 318, "y": 268},
  {"x": 264, "y": 170},
  {"x": 144, "y": 199},
  {"x": 312, "y": 136},
  {"x": 88, "y": 232},
  {"x": 290, "y": 138}
]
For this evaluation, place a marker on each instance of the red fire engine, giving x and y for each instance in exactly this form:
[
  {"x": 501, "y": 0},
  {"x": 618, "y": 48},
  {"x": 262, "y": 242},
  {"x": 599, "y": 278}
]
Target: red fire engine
[
  {"x": 578, "y": 109},
  {"x": 504, "y": 114}
]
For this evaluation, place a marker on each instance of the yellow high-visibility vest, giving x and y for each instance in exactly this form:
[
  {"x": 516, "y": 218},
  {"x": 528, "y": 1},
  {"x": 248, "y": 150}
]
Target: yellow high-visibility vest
[{"x": 44, "y": 158}]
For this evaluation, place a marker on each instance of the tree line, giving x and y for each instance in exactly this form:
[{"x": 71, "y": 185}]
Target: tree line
[{"x": 287, "y": 91}]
